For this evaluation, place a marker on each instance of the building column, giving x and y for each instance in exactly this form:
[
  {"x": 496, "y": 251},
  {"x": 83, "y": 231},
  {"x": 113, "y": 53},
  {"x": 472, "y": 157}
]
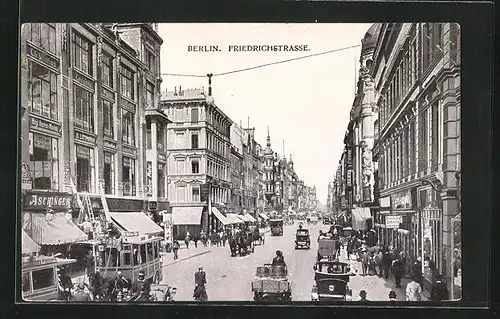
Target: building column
[{"x": 154, "y": 161}]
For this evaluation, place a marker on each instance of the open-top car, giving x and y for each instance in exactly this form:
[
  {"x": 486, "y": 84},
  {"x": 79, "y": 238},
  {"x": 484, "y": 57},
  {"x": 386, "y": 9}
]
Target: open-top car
[
  {"x": 302, "y": 239},
  {"x": 331, "y": 278},
  {"x": 271, "y": 283}
]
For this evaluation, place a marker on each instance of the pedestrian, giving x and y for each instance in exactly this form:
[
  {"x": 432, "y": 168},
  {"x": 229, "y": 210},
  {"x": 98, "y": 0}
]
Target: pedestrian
[
  {"x": 386, "y": 263},
  {"x": 122, "y": 284},
  {"x": 141, "y": 286},
  {"x": 200, "y": 281},
  {"x": 80, "y": 294},
  {"x": 398, "y": 272},
  {"x": 187, "y": 239},
  {"x": 416, "y": 271},
  {"x": 362, "y": 295},
  {"x": 64, "y": 285},
  {"x": 175, "y": 249},
  {"x": 89, "y": 263},
  {"x": 195, "y": 240},
  {"x": 392, "y": 296},
  {"x": 365, "y": 259},
  {"x": 378, "y": 263},
  {"x": 87, "y": 227},
  {"x": 413, "y": 290},
  {"x": 439, "y": 290}
]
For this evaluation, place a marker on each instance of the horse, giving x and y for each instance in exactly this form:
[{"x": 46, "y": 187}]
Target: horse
[{"x": 233, "y": 245}]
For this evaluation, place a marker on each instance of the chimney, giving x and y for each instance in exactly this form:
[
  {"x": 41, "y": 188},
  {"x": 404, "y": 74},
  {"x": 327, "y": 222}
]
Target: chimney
[
  {"x": 175, "y": 91},
  {"x": 180, "y": 90}
]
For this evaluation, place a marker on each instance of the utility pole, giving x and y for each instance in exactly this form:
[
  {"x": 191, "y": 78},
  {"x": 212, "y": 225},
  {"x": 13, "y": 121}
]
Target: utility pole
[{"x": 209, "y": 75}]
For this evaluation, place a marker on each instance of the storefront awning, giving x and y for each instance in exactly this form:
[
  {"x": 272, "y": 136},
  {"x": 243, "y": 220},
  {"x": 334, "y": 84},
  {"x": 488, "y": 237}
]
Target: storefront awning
[
  {"x": 55, "y": 230},
  {"x": 249, "y": 218},
  {"x": 233, "y": 219},
  {"x": 136, "y": 222},
  {"x": 28, "y": 245},
  {"x": 220, "y": 217},
  {"x": 263, "y": 216},
  {"x": 362, "y": 213},
  {"x": 186, "y": 215}
]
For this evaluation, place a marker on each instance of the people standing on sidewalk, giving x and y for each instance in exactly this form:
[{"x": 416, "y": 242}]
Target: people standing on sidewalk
[
  {"x": 203, "y": 238},
  {"x": 413, "y": 290},
  {"x": 439, "y": 290},
  {"x": 378, "y": 262},
  {"x": 386, "y": 262},
  {"x": 365, "y": 259},
  {"x": 187, "y": 239},
  {"x": 398, "y": 271},
  {"x": 416, "y": 271}
]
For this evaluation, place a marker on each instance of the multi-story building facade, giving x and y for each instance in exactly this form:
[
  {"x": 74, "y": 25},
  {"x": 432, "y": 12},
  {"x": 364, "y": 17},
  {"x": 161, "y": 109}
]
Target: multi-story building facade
[
  {"x": 237, "y": 174},
  {"x": 251, "y": 178},
  {"x": 198, "y": 153},
  {"x": 269, "y": 176},
  {"x": 261, "y": 201},
  {"x": 413, "y": 76},
  {"x": 88, "y": 89}
]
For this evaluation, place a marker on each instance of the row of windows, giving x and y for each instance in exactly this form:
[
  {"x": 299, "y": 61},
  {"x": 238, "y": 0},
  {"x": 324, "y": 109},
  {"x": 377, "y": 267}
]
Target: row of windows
[
  {"x": 180, "y": 142},
  {"x": 217, "y": 145},
  {"x": 399, "y": 160},
  {"x": 218, "y": 170},
  {"x": 180, "y": 166},
  {"x": 216, "y": 120}
]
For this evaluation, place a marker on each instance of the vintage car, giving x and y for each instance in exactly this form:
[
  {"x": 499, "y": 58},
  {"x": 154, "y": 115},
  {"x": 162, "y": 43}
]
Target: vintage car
[
  {"x": 328, "y": 248},
  {"x": 271, "y": 283},
  {"x": 276, "y": 225},
  {"x": 302, "y": 239},
  {"x": 331, "y": 278},
  {"x": 347, "y": 231}
]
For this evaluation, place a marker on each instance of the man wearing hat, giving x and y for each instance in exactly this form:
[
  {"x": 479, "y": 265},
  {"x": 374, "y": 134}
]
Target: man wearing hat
[
  {"x": 362, "y": 295},
  {"x": 279, "y": 260},
  {"x": 122, "y": 284},
  {"x": 392, "y": 296},
  {"x": 416, "y": 271},
  {"x": 81, "y": 295},
  {"x": 200, "y": 281},
  {"x": 141, "y": 284}
]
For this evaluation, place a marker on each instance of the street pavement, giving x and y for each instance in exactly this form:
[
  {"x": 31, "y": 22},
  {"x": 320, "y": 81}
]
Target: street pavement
[{"x": 229, "y": 278}]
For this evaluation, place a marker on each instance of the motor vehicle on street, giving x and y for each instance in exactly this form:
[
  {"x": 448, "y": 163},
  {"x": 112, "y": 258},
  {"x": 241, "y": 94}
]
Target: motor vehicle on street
[
  {"x": 276, "y": 225},
  {"x": 257, "y": 235},
  {"x": 331, "y": 279},
  {"x": 271, "y": 283},
  {"x": 347, "y": 231},
  {"x": 302, "y": 239}
]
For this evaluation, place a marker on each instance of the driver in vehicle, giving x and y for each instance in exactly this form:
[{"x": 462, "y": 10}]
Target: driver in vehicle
[{"x": 279, "y": 260}]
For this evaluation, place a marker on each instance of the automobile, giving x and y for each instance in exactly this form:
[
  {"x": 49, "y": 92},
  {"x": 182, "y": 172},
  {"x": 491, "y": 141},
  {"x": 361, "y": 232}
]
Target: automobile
[
  {"x": 302, "y": 239},
  {"x": 271, "y": 283},
  {"x": 331, "y": 279}
]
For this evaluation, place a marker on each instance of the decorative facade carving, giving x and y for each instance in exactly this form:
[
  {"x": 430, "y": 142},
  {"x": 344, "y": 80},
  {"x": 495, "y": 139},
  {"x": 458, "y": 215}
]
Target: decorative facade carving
[
  {"x": 366, "y": 164},
  {"x": 99, "y": 51}
]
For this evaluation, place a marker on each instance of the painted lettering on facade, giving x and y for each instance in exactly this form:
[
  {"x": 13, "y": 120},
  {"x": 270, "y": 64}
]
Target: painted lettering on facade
[
  {"x": 109, "y": 144},
  {"x": 83, "y": 81},
  {"x": 38, "y": 123},
  {"x": 84, "y": 137},
  {"x": 37, "y": 201},
  {"x": 43, "y": 57}
]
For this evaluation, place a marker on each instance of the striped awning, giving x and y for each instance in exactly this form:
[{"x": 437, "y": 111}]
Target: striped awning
[
  {"x": 362, "y": 213},
  {"x": 55, "y": 230},
  {"x": 28, "y": 245},
  {"x": 220, "y": 217},
  {"x": 263, "y": 216},
  {"x": 136, "y": 222},
  {"x": 233, "y": 219},
  {"x": 248, "y": 218},
  {"x": 187, "y": 215}
]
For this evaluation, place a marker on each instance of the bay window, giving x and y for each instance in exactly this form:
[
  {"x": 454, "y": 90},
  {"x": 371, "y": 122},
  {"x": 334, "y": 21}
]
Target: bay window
[
  {"x": 128, "y": 127},
  {"x": 160, "y": 137},
  {"x": 44, "y": 36},
  {"x": 44, "y": 163},
  {"x": 82, "y": 53},
  {"x": 161, "y": 180},
  {"x": 127, "y": 82},
  {"x": 150, "y": 95},
  {"x": 107, "y": 69},
  {"x": 84, "y": 109},
  {"x": 42, "y": 91}
]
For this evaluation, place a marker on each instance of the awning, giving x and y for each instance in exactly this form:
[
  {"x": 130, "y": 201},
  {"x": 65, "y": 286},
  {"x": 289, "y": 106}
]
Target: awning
[
  {"x": 220, "y": 217},
  {"x": 362, "y": 213},
  {"x": 249, "y": 218},
  {"x": 187, "y": 215},
  {"x": 263, "y": 216},
  {"x": 55, "y": 230},
  {"x": 136, "y": 222},
  {"x": 233, "y": 219},
  {"x": 28, "y": 245}
]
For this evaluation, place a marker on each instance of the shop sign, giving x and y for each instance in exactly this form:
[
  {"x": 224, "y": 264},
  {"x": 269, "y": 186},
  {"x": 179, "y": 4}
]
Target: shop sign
[
  {"x": 85, "y": 137},
  {"x": 393, "y": 221},
  {"x": 349, "y": 156},
  {"x": 153, "y": 205},
  {"x": 41, "y": 200},
  {"x": 149, "y": 177},
  {"x": 109, "y": 144},
  {"x": 401, "y": 200},
  {"x": 131, "y": 234},
  {"x": 204, "y": 192},
  {"x": 39, "y": 123},
  {"x": 82, "y": 80},
  {"x": 82, "y": 152},
  {"x": 42, "y": 141},
  {"x": 129, "y": 150},
  {"x": 349, "y": 177},
  {"x": 167, "y": 221},
  {"x": 385, "y": 202},
  {"x": 44, "y": 57}
]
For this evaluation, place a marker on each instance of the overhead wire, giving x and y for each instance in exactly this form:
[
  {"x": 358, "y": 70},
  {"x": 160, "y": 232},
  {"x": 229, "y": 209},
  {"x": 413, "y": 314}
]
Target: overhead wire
[{"x": 264, "y": 65}]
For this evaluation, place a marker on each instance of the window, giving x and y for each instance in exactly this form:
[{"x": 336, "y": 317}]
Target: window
[
  {"x": 84, "y": 109},
  {"x": 109, "y": 173},
  {"x": 194, "y": 115},
  {"x": 195, "y": 167},
  {"x": 435, "y": 140},
  {"x": 82, "y": 53},
  {"x": 151, "y": 61},
  {"x": 148, "y": 134},
  {"x": 196, "y": 193},
  {"x": 128, "y": 176},
  {"x": 160, "y": 136},
  {"x": 422, "y": 140},
  {"x": 143, "y": 254},
  {"x": 412, "y": 143},
  {"x": 179, "y": 139},
  {"x": 180, "y": 166},
  {"x": 107, "y": 69},
  {"x": 84, "y": 168},
  {"x": 128, "y": 127},
  {"x": 149, "y": 248},
  {"x": 127, "y": 82},
  {"x": 107, "y": 113},
  {"x": 44, "y": 35},
  {"x": 194, "y": 140},
  {"x": 161, "y": 180},
  {"x": 150, "y": 94},
  {"x": 43, "y": 278},
  {"x": 44, "y": 162},
  {"x": 430, "y": 136},
  {"x": 42, "y": 91},
  {"x": 181, "y": 194}
]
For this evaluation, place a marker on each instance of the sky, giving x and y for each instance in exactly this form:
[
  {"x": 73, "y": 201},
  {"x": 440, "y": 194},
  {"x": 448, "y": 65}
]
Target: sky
[{"x": 305, "y": 103}]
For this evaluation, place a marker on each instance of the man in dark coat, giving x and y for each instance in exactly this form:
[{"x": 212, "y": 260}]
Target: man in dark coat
[
  {"x": 121, "y": 284},
  {"x": 439, "y": 290},
  {"x": 141, "y": 284},
  {"x": 81, "y": 295},
  {"x": 200, "y": 281},
  {"x": 398, "y": 271},
  {"x": 386, "y": 263},
  {"x": 279, "y": 260},
  {"x": 416, "y": 271}
]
